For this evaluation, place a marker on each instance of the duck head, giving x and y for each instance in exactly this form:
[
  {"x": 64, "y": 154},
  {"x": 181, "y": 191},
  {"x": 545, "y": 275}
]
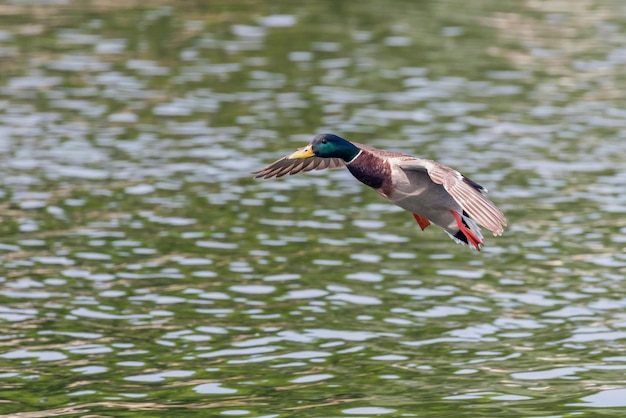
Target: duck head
[{"x": 327, "y": 146}]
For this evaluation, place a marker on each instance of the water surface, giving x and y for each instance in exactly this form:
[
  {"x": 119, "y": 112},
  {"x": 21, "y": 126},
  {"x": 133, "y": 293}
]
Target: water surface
[{"x": 145, "y": 272}]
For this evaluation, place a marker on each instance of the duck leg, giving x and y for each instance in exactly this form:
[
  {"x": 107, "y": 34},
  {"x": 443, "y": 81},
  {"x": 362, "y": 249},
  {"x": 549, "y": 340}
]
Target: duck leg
[
  {"x": 421, "y": 221},
  {"x": 471, "y": 237}
]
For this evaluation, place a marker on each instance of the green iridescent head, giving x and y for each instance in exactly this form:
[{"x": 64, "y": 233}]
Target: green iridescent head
[{"x": 327, "y": 146}]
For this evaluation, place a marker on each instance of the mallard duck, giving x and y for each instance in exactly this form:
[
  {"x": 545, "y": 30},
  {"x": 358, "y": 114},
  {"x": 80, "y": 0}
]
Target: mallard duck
[{"x": 431, "y": 191}]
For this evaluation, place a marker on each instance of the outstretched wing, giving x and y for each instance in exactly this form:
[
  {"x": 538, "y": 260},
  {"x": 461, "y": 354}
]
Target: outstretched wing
[
  {"x": 286, "y": 166},
  {"x": 466, "y": 192}
]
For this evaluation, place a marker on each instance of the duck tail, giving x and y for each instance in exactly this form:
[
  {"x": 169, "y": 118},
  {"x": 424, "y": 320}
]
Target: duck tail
[{"x": 468, "y": 232}]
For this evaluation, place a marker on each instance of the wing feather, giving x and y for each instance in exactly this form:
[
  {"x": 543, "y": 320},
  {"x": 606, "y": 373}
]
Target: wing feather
[{"x": 285, "y": 166}]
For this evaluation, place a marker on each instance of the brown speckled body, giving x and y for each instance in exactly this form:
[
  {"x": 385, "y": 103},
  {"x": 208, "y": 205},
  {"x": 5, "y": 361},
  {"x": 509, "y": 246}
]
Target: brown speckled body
[{"x": 413, "y": 191}]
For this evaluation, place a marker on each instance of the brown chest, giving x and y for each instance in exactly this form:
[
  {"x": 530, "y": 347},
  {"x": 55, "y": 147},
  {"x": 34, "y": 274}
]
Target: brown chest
[{"x": 373, "y": 171}]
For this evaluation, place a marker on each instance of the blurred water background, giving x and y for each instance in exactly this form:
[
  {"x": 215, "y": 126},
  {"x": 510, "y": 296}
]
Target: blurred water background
[{"x": 145, "y": 273}]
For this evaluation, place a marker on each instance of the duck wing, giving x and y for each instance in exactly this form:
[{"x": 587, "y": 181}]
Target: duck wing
[
  {"x": 288, "y": 166},
  {"x": 466, "y": 192}
]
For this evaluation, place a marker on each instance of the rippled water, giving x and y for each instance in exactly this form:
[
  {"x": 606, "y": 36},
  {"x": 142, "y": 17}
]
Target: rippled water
[{"x": 144, "y": 272}]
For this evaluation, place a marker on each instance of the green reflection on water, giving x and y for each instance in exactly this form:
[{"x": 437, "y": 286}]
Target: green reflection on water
[{"x": 145, "y": 272}]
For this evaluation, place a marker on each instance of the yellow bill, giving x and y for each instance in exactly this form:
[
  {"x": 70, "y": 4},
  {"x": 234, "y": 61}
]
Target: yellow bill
[{"x": 306, "y": 152}]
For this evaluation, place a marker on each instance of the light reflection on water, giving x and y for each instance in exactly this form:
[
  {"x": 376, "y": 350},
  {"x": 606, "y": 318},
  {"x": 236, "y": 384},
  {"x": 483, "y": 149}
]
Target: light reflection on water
[{"x": 142, "y": 263}]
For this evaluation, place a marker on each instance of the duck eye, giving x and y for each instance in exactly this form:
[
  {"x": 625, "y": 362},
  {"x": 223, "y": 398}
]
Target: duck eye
[{"x": 324, "y": 141}]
